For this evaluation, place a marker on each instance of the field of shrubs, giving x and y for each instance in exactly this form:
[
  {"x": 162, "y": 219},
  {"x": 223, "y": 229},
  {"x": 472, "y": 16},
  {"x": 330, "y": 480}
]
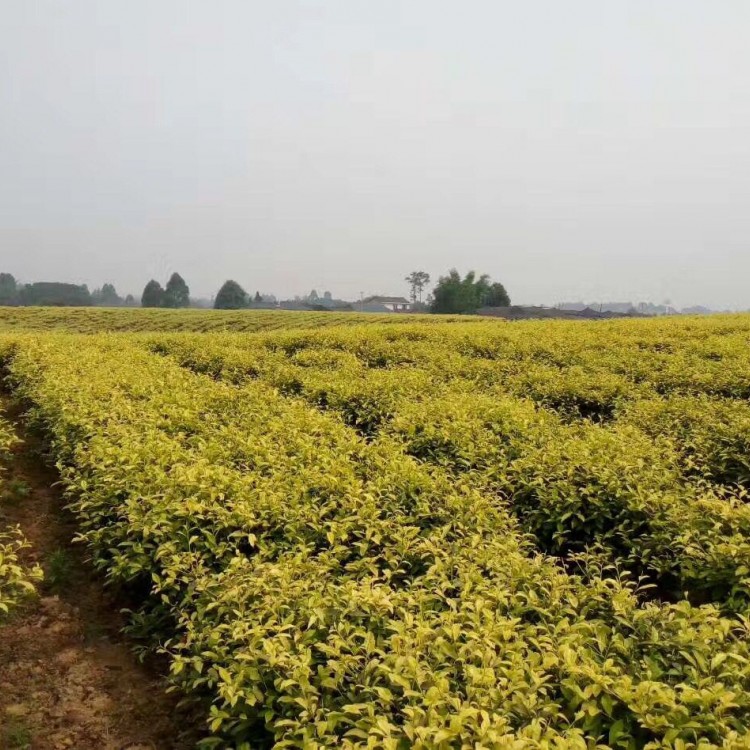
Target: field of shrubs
[
  {"x": 432, "y": 534},
  {"x": 132, "y": 320}
]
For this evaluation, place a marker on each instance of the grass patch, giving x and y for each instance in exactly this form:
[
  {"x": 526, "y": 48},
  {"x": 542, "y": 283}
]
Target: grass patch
[
  {"x": 58, "y": 570},
  {"x": 14, "y": 492},
  {"x": 16, "y": 735}
]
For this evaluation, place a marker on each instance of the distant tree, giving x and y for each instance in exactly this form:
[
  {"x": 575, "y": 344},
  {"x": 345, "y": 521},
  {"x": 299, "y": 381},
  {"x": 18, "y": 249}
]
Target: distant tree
[
  {"x": 129, "y": 301},
  {"x": 313, "y": 296},
  {"x": 110, "y": 295},
  {"x": 177, "y": 292},
  {"x": 455, "y": 295},
  {"x": 153, "y": 295},
  {"x": 8, "y": 289},
  {"x": 107, "y": 296},
  {"x": 417, "y": 280},
  {"x": 258, "y": 297},
  {"x": 328, "y": 296},
  {"x": 496, "y": 296},
  {"x": 231, "y": 296},
  {"x": 450, "y": 295},
  {"x": 55, "y": 294}
]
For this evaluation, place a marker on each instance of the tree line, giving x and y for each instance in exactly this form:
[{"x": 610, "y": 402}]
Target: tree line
[
  {"x": 175, "y": 294},
  {"x": 453, "y": 294},
  {"x": 456, "y": 295},
  {"x": 59, "y": 294}
]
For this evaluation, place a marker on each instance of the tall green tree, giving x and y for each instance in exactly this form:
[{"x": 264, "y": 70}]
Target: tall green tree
[
  {"x": 177, "y": 292},
  {"x": 153, "y": 295},
  {"x": 417, "y": 281},
  {"x": 456, "y": 295},
  {"x": 496, "y": 296},
  {"x": 231, "y": 296},
  {"x": 8, "y": 289}
]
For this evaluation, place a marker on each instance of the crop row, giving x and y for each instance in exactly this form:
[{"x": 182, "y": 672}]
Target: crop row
[
  {"x": 578, "y": 371},
  {"x": 326, "y": 590},
  {"x": 662, "y": 487},
  {"x": 16, "y": 579},
  {"x": 132, "y": 320}
]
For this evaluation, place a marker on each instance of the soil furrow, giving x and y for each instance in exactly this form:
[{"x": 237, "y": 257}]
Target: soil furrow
[{"x": 68, "y": 677}]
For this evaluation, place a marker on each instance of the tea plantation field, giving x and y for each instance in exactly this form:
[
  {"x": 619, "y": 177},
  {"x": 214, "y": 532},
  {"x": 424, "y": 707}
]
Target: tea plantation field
[{"x": 395, "y": 532}]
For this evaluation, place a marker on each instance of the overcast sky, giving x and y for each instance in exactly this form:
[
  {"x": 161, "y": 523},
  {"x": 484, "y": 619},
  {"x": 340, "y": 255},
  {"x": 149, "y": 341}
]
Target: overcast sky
[{"x": 572, "y": 150}]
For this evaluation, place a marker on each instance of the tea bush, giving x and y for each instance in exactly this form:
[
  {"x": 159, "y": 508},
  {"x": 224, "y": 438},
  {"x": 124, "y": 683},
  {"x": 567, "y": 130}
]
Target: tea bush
[
  {"x": 17, "y": 580},
  {"x": 331, "y": 570},
  {"x": 467, "y": 535}
]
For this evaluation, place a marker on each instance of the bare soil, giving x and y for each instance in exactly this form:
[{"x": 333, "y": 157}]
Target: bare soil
[{"x": 68, "y": 678}]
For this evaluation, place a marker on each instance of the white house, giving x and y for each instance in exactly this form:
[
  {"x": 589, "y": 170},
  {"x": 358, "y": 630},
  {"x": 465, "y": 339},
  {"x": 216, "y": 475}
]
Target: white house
[{"x": 391, "y": 304}]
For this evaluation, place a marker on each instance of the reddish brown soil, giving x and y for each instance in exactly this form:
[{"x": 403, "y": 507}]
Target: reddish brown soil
[{"x": 67, "y": 677}]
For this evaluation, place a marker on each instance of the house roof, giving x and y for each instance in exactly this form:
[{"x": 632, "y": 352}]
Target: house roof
[{"x": 387, "y": 300}]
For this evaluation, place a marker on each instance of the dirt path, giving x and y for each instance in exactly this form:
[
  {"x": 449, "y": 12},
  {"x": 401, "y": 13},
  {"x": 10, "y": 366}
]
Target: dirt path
[{"x": 67, "y": 678}]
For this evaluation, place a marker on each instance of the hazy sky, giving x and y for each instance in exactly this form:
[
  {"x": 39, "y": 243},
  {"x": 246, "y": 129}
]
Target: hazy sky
[{"x": 582, "y": 149}]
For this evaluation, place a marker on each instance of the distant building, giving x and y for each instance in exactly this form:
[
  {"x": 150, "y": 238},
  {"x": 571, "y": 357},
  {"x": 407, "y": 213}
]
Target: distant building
[
  {"x": 696, "y": 310},
  {"x": 623, "y": 308},
  {"x": 378, "y": 303}
]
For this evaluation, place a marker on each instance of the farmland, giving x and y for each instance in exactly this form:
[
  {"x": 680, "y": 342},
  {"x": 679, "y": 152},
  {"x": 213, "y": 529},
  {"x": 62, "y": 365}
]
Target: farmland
[
  {"x": 132, "y": 320},
  {"x": 412, "y": 531}
]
